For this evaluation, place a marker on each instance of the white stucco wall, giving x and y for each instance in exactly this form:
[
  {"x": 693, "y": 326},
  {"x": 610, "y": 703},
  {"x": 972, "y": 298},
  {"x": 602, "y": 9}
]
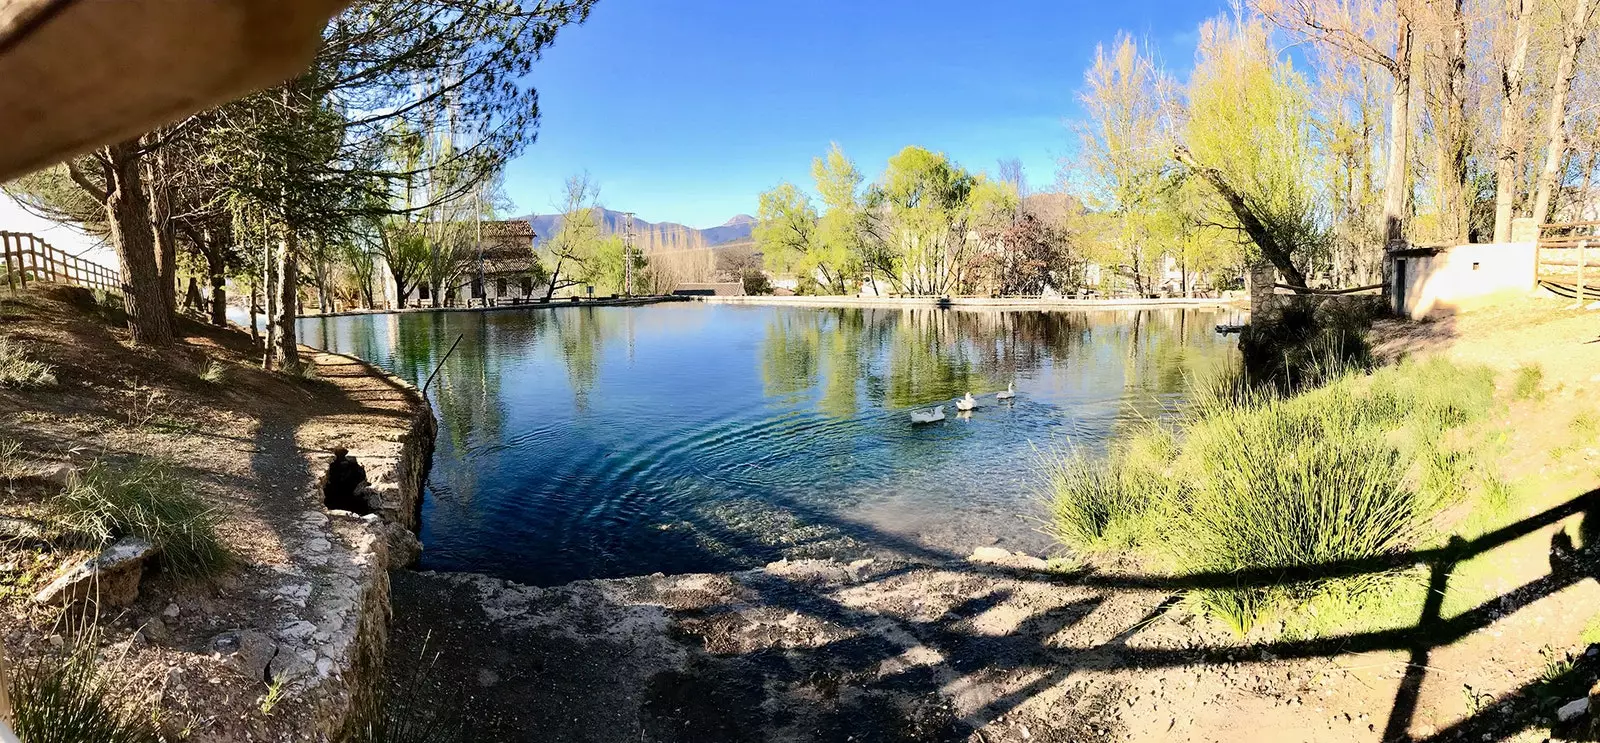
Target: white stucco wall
[{"x": 1462, "y": 277}]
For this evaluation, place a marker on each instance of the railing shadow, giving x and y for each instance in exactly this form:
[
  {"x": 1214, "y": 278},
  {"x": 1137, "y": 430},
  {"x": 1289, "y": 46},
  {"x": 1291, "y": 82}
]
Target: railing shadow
[{"x": 967, "y": 652}]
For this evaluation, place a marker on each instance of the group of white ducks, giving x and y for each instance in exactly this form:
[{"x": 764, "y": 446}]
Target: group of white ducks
[{"x": 965, "y": 404}]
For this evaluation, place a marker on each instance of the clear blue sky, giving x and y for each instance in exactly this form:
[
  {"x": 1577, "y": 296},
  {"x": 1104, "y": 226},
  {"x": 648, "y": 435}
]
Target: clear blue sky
[{"x": 685, "y": 111}]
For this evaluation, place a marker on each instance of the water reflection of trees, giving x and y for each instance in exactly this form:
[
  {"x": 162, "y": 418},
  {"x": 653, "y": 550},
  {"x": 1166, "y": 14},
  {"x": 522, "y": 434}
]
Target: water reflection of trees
[
  {"x": 581, "y": 334},
  {"x": 906, "y": 358}
]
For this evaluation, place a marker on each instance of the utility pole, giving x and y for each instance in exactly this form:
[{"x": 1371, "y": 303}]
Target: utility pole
[{"x": 627, "y": 254}]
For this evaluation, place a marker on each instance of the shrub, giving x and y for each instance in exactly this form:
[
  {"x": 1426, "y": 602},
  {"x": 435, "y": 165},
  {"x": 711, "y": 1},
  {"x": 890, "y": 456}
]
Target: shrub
[
  {"x": 66, "y": 700},
  {"x": 1528, "y": 384},
  {"x": 148, "y": 501},
  {"x": 214, "y": 373},
  {"x": 19, "y": 371},
  {"x": 1291, "y": 483},
  {"x": 1253, "y": 479},
  {"x": 1109, "y": 503},
  {"x": 1303, "y": 346}
]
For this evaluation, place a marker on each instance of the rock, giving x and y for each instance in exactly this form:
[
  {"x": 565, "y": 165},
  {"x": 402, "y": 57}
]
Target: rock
[
  {"x": 171, "y": 612},
  {"x": 297, "y": 630},
  {"x": 61, "y": 473},
  {"x": 404, "y": 547},
  {"x": 109, "y": 579},
  {"x": 154, "y": 632},
  {"x": 1007, "y": 559},
  {"x": 26, "y": 531},
  {"x": 247, "y": 651},
  {"x": 1573, "y": 709}
]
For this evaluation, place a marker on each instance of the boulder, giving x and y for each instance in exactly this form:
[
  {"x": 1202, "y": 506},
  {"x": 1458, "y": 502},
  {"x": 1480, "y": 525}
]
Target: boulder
[
  {"x": 246, "y": 651},
  {"x": 1001, "y": 558},
  {"x": 110, "y": 578},
  {"x": 1573, "y": 709},
  {"x": 405, "y": 550}
]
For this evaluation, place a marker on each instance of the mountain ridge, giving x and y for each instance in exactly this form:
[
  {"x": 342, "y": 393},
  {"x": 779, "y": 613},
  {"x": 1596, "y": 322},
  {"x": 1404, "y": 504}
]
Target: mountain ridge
[{"x": 654, "y": 236}]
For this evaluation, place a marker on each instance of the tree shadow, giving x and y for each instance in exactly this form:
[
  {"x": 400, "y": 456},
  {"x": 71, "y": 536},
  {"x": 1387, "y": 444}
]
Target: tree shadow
[{"x": 967, "y": 655}]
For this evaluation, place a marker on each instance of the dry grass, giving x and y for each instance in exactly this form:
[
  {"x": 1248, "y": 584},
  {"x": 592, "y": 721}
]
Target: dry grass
[{"x": 19, "y": 371}]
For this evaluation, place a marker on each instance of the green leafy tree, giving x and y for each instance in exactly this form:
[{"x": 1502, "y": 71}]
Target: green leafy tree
[
  {"x": 787, "y": 236},
  {"x": 1249, "y": 135},
  {"x": 571, "y": 254},
  {"x": 1122, "y": 165}
]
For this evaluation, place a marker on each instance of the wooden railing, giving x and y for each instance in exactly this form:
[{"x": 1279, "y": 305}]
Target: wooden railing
[
  {"x": 1563, "y": 259},
  {"x": 24, "y": 258}
]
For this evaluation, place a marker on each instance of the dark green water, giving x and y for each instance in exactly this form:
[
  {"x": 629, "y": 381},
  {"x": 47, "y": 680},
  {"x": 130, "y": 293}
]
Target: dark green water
[{"x": 599, "y": 442}]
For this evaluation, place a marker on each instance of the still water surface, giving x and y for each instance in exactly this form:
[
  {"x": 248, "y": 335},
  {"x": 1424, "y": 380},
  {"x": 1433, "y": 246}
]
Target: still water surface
[{"x": 601, "y": 442}]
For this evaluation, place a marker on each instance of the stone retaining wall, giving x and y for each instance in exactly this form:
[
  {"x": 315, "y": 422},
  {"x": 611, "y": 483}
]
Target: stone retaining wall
[{"x": 337, "y": 648}]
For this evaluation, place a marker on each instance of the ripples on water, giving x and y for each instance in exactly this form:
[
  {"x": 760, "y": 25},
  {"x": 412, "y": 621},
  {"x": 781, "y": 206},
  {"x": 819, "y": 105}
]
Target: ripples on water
[{"x": 599, "y": 442}]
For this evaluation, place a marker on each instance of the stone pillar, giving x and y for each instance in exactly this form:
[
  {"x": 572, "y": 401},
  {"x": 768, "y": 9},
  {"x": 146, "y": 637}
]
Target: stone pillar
[{"x": 1263, "y": 299}]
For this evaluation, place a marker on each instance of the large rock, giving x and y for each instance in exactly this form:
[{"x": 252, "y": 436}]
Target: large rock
[
  {"x": 247, "y": 651},
  {"x": 109, "y": 579}
]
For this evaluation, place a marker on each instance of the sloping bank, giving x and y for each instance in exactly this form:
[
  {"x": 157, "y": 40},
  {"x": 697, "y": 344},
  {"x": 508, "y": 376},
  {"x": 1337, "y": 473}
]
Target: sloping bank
[{"x": 282, "y": 635}]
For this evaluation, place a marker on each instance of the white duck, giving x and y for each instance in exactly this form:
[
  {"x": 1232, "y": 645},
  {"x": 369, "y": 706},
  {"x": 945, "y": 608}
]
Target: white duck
[
  {"x": 1008, "y": 393},
  {"x": 928, "y": 416},
  {"x": 967, "y": 403}
]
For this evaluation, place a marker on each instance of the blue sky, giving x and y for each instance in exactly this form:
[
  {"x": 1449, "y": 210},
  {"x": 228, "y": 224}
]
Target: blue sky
[{"x": 685, "y": 111}]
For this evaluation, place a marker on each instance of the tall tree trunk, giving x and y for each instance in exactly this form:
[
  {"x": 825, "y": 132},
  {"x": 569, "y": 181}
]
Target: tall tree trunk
[
  {"x": 161, "y": 226},
  {"x": 1508, "y": 151},
  {"x": 216, "y": 267},
  {"x": 1397, "y": 179},
  {"x": 269, "y": 271},
  {"x": 255, "y": 337},
  {"x": 1452, "y": 137},
  {"x": 1573, "y": 33},
  {"x": 288, "y": 348},
  {"x": 145, "y": 294}
]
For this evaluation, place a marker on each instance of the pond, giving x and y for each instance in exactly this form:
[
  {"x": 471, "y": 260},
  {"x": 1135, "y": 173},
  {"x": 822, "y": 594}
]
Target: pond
[{"x": 614, "y": 441}]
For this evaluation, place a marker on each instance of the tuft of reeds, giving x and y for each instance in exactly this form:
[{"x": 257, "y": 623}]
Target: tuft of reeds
[
  {"x": 148, "y": 500},
  {"x": 215, "y": 373},
  {"x": 65, "y": 699},
  {"x": 1256, "y": 479},
  {"x": 1527, "y": 382},
  {"x": 18, "y": 371}
]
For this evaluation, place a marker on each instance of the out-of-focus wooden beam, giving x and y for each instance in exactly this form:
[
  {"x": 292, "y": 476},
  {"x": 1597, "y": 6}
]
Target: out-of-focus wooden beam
[{"x": 76, "y": 74}]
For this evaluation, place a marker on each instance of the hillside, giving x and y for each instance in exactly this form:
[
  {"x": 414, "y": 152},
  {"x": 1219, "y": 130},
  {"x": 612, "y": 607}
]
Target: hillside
[{"x": 655, "y": 237}]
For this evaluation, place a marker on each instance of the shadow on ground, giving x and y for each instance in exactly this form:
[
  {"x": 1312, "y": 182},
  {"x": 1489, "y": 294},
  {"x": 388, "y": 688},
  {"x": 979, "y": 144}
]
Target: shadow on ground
[{"x": 917, "y": 648}]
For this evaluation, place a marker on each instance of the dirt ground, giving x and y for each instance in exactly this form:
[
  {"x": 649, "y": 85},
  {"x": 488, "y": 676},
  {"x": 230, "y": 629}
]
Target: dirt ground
[
  {"x": 252, "y": 444},
  {"x": 1001, "y": 648}
]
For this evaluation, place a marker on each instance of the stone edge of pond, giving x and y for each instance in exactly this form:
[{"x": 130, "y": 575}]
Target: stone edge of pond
[
  {"x": 620, "y": 302},
  {"x": 336, "y": 655},
  {"x": 974, "y": 303}
]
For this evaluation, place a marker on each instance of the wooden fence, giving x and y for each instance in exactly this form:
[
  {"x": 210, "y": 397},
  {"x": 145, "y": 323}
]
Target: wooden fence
[
  {"x": 1563, "y": 259},
  {"x": 24, "y": 258}
]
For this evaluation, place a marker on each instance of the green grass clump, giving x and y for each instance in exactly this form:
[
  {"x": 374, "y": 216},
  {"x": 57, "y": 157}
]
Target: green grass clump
[
  {"x": 1528, "y": 382},
  {"x": 66, "y": 699},
  {"x": 1257, "y": 479},
  {"x": 1109, "y": 503},
  {"x": 1291, "y": 483},
  {"x": 214, "y": 373},
  {"x": 150, "y": 501},
  {"x": 20, "y": 372}
]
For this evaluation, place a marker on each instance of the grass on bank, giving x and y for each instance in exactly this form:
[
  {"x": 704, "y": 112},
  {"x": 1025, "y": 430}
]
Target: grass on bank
[
  {"x": 19, "y": 371},
  {"x": 148, "y": 500},
  {"x": 66, "y": 699},
  {"x": 1360, "y": 467}
]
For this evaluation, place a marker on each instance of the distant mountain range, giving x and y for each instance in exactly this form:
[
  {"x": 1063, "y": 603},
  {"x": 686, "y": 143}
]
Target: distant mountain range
[{"x": 652, "y": 237}]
